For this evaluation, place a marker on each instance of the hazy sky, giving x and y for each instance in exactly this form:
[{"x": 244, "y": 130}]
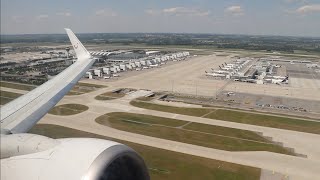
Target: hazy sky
[{"x": 262, "y": 17}]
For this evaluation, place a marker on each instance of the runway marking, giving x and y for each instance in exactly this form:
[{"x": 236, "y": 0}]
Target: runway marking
[{"x": 208, "y": 113}]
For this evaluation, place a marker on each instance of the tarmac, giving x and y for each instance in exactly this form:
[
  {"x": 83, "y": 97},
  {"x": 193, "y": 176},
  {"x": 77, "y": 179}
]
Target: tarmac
[{"x": 188, "y": 77}]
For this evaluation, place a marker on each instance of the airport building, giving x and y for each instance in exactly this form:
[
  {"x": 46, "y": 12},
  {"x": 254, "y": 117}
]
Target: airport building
[
  {"x": 255, "y": 70},
  {"x": 114, "y": 62}
]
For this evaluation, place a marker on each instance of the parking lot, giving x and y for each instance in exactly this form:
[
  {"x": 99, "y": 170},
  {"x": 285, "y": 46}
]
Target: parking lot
[{"x": 267, "y": 102}]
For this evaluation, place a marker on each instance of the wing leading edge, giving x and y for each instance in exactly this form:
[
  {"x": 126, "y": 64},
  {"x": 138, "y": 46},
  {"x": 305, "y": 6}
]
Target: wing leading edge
[{"x": 21, "y": 114}]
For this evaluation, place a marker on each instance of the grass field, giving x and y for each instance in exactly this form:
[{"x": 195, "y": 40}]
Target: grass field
[
  {"x": 171, "y": 109},
  {"x": 19, "y": 86},
  {"x": 237, "y": 116},
  {"x": 82, "y": 88},
  {"x": 266, "y": 120},
  {"x": 78, "y": 89},
  {"x": 163, "y": 164},
  {"x": 68, "y": 109},
  {"x": 6, "y": 96},
  {"x": 193, "y": 133},
  {"x": 91, "y": 85},
  {"x": 109, "y": 96}
]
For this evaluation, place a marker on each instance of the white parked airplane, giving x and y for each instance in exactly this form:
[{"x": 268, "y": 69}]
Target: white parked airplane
[
  {"x": 221, "y": 72},
  {"x": 215, "y": 74},
  {"x": 226, "y": 68},
  {"x": 280, "y": 77},
  {"x": 279, "y": 80},
  {"x": 35, "y": 157}
]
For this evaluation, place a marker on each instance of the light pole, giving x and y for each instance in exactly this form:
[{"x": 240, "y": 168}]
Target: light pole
[
  {"x": 196, "y": 88},
  {"x": 215, "y": 91},
  {"x": 172, "y": 86}
]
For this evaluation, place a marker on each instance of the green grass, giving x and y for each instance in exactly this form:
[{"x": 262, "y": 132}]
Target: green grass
[
  {"x": 19, "y": 86},
  {"x": 243, "y": 134},
  {"x": 143, "y": 119},
  {"x": 266, "y": 120},
  {"x": 83, "y": 88},
  {"x": 239, "y": 117},
  {"x": 171, "y": 109},
  {"x": 91, "y": 85},
  {"x": 109, "y": 96},
  {"x": 256, "y": 111},
  {"x": 68, "y": 109},
  {"x": 145, "y": 98},
  {"x": 4, "y": 100},
  {"x": 163, "y": 164},
  {"x": 73, "y": 93},
  {"x": 78, "y": 89},
  {"x": 6, "y": 96},
  {"x": 219, "y": 138}
]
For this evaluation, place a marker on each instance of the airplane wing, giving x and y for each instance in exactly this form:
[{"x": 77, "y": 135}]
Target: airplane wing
[{"x": 21, "y": 114}]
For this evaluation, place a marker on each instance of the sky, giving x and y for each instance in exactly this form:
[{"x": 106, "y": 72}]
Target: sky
[{"x": 253, "y": 17}]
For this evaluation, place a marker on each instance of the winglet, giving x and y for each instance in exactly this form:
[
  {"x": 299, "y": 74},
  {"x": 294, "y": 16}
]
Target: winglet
[{"x": 80, "y": 50}]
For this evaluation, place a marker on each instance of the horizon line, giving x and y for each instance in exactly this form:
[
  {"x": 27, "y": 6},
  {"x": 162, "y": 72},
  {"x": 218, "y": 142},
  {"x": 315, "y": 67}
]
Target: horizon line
[{"x": 231, "y": 34}]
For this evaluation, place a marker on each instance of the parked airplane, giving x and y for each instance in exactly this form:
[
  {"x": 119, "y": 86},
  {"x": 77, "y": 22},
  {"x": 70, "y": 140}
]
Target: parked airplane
[
  {"x": 35, "y": 157},
  {"x": 251, "y": 80},
  {"x": 281, "y": 77},
  {"x": 154, "y": 65},
  {"x": 215, "y": 74},
  {"x": 221, "y": 72},
  {"x": 226, "y": 68},
  {"x": 280, "y": 80}
]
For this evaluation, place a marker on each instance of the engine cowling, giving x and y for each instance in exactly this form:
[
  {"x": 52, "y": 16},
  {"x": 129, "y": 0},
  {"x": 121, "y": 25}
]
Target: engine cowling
[{"x": 72, "y": 159}]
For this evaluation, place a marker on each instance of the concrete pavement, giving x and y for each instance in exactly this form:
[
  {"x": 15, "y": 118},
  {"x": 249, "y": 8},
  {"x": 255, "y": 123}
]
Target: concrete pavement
[{"x": 295, "y": 167}]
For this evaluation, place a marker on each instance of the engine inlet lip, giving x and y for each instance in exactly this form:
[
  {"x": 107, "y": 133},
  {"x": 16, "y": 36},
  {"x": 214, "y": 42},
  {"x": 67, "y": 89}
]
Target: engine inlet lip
[{"x": 109, "y": 155}]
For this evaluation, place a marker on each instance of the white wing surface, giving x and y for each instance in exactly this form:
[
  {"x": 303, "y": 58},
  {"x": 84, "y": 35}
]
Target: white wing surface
[{"x": 21, "y": 114}]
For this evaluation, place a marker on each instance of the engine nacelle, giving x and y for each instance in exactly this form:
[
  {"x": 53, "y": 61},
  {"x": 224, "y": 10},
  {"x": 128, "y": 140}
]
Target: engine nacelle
[{"x": 72, "y": 159}]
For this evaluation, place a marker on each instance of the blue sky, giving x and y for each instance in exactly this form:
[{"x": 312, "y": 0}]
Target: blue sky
[{"x": 261, "y": 17}]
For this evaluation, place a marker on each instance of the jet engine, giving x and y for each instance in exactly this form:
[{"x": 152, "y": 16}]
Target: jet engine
[{"x": 29, "y": 156}]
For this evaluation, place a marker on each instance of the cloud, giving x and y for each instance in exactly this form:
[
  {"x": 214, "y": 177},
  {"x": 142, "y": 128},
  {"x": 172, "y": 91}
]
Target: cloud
[
  {"x": 296, "y": 1},
  {"x": 235, "y": 10},
  {"x": 179, "y": 11},
  {"x": 314, "y": 8},
  {"x": 42, "y": 16},
  {"x": 106, "y": 13},
  {"x": 66, "y": 14},
  {"x": 152, "y": 12},
  {"x": 17, "y": 19}
]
